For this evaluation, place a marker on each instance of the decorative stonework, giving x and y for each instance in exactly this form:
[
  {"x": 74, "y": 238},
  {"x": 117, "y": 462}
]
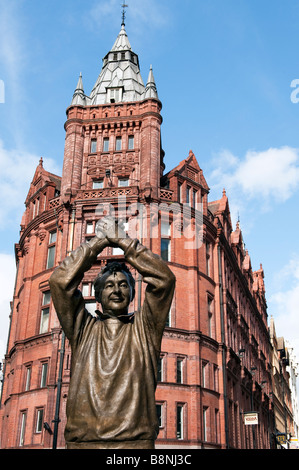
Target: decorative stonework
[
  {"x": 166, "y": 194},
  {"x": 26, "y": 246},
  {"x": 42, "y": 234},
  {"x": 108, "y": 193}
]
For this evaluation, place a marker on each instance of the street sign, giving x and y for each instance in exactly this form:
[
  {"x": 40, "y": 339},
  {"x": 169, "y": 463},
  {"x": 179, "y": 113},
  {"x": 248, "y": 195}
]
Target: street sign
[
  {"x": 294, "y": 443},
  {"x": 281, "y": 439}
]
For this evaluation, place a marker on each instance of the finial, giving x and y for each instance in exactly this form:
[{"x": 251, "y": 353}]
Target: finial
[
  {"x": 41, "y": 161},
  {"x": 124, "y": 13}
]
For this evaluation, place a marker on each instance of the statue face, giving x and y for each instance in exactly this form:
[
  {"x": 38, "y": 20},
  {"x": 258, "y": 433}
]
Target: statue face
[{"x": 116, "y": 294}]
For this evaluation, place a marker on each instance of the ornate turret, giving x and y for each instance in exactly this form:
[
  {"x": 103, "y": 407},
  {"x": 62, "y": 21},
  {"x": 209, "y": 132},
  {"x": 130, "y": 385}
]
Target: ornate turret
[
  {"x": 120, "y": 78},
  {"x": 151, "y": 89},
  {"x": 79, "y": 97}
]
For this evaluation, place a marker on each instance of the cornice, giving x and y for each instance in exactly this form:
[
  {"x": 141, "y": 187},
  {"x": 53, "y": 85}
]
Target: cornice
[
  {"x": 190, "y": 336},
  {"x": 44, "y": 218},
  {"x": 177, "y": 333},
  {"x": 35, "y": 340}
]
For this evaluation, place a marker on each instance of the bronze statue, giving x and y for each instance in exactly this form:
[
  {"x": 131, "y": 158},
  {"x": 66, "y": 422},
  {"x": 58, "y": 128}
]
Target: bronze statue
[{"x": 111, "y": 401}]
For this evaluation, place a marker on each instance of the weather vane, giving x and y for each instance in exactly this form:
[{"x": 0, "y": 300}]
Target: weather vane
[{"x": 124, "y": 6}]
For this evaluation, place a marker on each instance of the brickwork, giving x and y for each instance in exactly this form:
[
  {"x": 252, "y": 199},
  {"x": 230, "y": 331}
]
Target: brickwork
[{"x": 215, "y": 348}]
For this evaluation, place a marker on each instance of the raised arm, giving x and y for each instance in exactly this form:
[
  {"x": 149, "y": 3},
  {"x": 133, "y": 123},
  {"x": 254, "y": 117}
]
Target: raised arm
[
  {"x": 64, "y": 282},
  {"x": 156, "y": 274},
  {"x": 159, "y": 278}
]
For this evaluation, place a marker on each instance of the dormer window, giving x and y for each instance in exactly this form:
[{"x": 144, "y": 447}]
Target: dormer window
[{"x": 114, "y": 95}]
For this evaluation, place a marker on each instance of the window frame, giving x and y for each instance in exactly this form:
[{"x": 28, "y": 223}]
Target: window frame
[
  {"x": 93, "y": 145},
  {"x": 180, "y": 417},
  {"x": 180, "y": 192},
  {"x": 123, "y": 182},
  {"x": 204, "y": 374},
  {"x": 166, "y": 249},
  {"x": 45, "y": 313},
  {"x": 205, "y": 413},
  {"x": 188, "y": 195},
  {"x": 89, "y": 225},
  {"x": 160, "y": 369},
  {"x": 211, "y": 316},
  {"x": 180, "y": 369},
  {"x": 161, "y": 415},
  {"x": 44, "y": 374},
  {"x": 131, "y": 142},
  {"x": 28, "y": 374},
  {"x": 194, "y": 198},
  {"x": 208, "y": 258},
  {"x": 118, "y": 143},
  {"x": 39, "y": 420},
  {"x": 23, "y": 419},
  {"x": 165, "y": 240},
  {"x": 106, "y": 143},
  {"x": 51, "y": 253},
  {"x": 98, "y": 184},
  {"x": 169, "y": 319}
]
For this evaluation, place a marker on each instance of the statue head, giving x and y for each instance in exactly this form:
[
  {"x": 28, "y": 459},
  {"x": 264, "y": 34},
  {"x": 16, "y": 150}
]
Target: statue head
[{"x": 114, "y": 288}]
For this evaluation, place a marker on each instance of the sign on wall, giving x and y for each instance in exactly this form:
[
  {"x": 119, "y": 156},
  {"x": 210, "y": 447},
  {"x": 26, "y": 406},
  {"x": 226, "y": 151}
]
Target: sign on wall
[
  {"x": 251, "y": 418},
  {"x": 281, "y": 438}
]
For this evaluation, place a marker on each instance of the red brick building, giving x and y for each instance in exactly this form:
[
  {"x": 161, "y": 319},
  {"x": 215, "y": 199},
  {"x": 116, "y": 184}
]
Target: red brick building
[{"x": 215, "y": 352}]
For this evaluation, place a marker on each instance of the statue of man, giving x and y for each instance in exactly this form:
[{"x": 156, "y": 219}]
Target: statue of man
[{"x": 111, "y": 400}]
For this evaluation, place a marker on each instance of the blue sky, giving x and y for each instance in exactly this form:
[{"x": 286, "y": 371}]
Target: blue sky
[{"x": 223, "y": 70}]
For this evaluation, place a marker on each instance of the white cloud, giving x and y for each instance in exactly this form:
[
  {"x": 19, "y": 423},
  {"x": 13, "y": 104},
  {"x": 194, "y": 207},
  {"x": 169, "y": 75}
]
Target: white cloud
[
  {"x": 7, "y": 279},
  {"x": 266, "y": 176},
  {"x": 284, "y": 303},
  {"x": 272, "y": 173},
  {"x": 17, "y": 171},
  {"x": 148, "y": 12}
]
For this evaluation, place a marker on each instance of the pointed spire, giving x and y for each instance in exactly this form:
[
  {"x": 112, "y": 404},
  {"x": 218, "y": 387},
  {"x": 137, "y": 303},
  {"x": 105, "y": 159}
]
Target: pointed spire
[
  {"x": 79, "y": 95},
  {"x": 120, "y": 78},
  {"x": 122, "y": 42},
  {"x": 151, "y": 89},
  {"x": 80, "y": 84}
]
